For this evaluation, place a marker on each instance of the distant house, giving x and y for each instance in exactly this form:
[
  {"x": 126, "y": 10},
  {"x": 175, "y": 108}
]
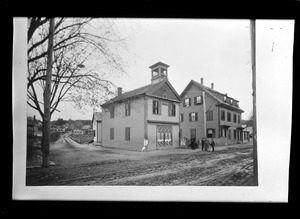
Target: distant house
[
  {"x": 78, "y": 132},
  {"x": 86, "y": 127},
  {"x": 205, "y": 112},
  {"x": 97, "y": 127},
  {"x": 148, "y": 113},
  {"x": 248, "y": 133},
  {"x": 54, "y": 128}
]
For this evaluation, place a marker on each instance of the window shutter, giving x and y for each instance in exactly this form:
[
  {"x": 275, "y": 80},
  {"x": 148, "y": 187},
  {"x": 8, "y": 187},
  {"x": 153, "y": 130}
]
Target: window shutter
[
  {"x": 129, "y": 109},
  {"x": 190, "y": 102},
  {"x": 170, "y": 109},
  {"x": 201, "y": 99},
  {"x": 159, "y": 107},
  {"x": 190, "y": 117},
  {"x": 195, "y": 100},
  {"x": 196, "y": 116}
]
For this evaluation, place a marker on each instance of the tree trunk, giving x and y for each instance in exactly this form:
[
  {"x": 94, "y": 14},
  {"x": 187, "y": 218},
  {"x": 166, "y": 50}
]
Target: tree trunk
[
  {"x": 47, "y": 95},
  {"x": 255, "y": 164}
]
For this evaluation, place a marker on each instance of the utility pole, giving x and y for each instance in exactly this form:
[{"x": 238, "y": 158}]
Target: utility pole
[
  {"x": 47, "y": 95},
  {"x": 253, "y": 60},
  {"x": 204, "y": 114}
]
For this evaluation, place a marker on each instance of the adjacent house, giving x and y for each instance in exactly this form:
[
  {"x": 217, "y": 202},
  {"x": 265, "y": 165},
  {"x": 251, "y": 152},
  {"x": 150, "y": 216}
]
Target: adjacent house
[
  {"x": 205, "y": 112},
  {"x": 97, "y": 127},
  {"x": 148, "y": 113}
]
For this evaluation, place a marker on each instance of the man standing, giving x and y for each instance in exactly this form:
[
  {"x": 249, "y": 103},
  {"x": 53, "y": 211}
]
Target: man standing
[
  {"x": 212, "y": 144},
  {"x": 202, "y": 143}
]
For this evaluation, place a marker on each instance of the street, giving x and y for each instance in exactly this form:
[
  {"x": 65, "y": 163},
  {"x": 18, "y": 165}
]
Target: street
[{"x": 77, "y": 164}]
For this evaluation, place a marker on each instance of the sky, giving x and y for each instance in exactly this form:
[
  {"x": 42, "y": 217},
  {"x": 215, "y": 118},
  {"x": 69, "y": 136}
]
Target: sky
[{"x": 216, "y": 50}]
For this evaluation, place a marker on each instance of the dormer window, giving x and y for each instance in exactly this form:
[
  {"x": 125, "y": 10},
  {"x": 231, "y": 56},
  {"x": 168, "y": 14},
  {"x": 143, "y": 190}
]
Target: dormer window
[
  {"x": 224, "y": 98},
  {"x": 231, "y": 101}
]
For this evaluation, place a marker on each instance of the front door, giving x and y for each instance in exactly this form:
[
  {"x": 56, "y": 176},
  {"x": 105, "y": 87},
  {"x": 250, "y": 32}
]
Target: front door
[
  {"x": 98, "y": 132},
  {"x": 193, "y": 133}
]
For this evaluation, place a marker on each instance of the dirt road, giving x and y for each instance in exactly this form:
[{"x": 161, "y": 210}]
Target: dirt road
[{"x": 93, "y": 165}]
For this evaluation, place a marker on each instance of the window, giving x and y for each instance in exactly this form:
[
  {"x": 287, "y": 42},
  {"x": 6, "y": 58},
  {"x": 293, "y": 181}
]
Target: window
[
  {"x": 234, "y": 133},
  {"x": 164, "y": 135},
  {"x": 234, "y": 118},
  {"x": 193, "y": 117},
  {"x": 127, "y": 109},
  {"x": 229, "y": 134},
  {"x": 187, "y": 102},
  {"x": 209, "y": 115},
  {"x": 164, "y": 95},
  {"x": 198, "y": 100},
  {"x": 127, "y": 134},
  {"x": 172, "y": 109},
  {"x": 239, "y": 119},
  {"x": 224, "y": 98},
  {"x": 223, "y": 132},
  {"x": 222, "y": 115},
  {"x": 181, "y": 117},
  {"x": 112, "y": 112},
  {"x": 112, "y": 136},
  {"x": 155, "y": 72},
  {"x": 228, "y": 116},
  {"x": 231, "y": 101},
  {"x": 156, "y": 107},
  {"x": 211, "y": 133}
]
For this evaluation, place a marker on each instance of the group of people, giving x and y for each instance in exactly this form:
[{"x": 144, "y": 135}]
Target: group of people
[{"x": 204, "y": 144}]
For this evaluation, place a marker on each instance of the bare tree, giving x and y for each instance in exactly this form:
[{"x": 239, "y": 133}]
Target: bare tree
[{"x": 86, "y": 53}]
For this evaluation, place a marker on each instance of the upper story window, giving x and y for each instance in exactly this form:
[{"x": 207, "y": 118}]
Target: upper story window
[
  {"x": 172, "y": 109},
  {"x": 209, "y": 115},
  {"x": 193, "y": 117},
  {"x": 239, "y": 119},
  {"x": 222, "y": 115},
  {"x": 112, "y": 112},
  {"x": 224, "y": 98},
  {"x": 231, "y": 101},
  {"x": 156, "y": 107},
  {"x": 181, "y": 117},
  {"x": 198, "y": 100},
  {"x": 234, "y": 118},
  {"x": 187, "y": 102},
  {"x": 127, "y": 109},
  {"x": 228, "y": 116}
]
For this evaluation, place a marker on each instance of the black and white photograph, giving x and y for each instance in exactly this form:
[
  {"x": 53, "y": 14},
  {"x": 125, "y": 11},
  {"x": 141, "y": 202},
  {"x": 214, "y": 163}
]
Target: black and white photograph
[{"x": 133, "y": 105}]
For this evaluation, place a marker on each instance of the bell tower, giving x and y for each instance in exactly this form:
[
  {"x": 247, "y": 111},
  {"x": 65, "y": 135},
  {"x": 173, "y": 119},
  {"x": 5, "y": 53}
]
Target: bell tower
[{"x": 159, "y": 72}]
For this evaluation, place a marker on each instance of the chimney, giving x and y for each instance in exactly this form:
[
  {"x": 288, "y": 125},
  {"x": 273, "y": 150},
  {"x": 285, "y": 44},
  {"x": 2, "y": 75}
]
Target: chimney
[
  {"x": 201, "y": 79},
  {"x": 212, "y": 85},
  {"x": 119, "y": 91}
]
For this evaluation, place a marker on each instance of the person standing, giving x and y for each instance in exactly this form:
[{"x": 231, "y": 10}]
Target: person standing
[
  {"x": 212, "y": 144},
  {"x": 202, "y": 143}
]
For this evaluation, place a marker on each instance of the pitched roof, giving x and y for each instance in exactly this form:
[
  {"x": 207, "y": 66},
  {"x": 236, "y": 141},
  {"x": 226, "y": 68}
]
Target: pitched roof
[
  {"x": 145, "y": 90},
  {"x": 213, "y": 93},
  {"x": 159, "y": 63}
]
